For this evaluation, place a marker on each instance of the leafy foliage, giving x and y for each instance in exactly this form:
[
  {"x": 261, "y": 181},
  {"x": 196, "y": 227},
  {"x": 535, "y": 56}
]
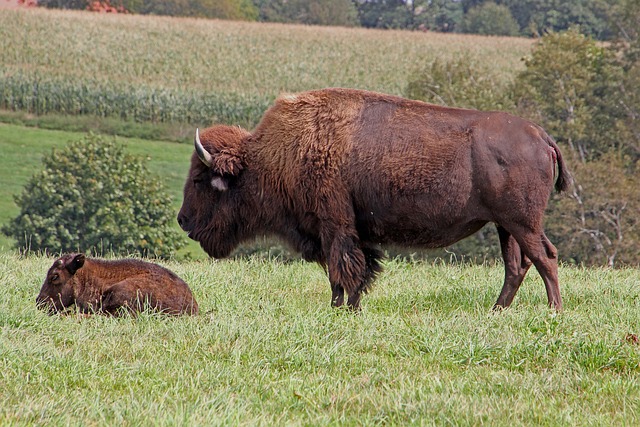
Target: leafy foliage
[
  {"x": 438, "y": 15},
  {"x": 599, "y": 223},
  {"x": 566, "y": 86},
  {"x": 92, "y": 196},
  {"x": 490, "y": 19},
  {"x": 626, "y": 21},
  {"x": 538, "y": 17},
  {"x": 572, "y": 87},
  {"x": 461, "y": 82},
  {"x": 323, "y": 12},
  {"x": 221, "y": 9}
]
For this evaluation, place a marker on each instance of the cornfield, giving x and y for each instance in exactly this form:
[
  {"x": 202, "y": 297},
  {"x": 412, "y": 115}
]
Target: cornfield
[{"x": 160, "y": 69}]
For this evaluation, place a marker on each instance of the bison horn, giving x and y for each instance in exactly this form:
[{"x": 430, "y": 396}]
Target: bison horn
[{"x": 203, "y": 154}]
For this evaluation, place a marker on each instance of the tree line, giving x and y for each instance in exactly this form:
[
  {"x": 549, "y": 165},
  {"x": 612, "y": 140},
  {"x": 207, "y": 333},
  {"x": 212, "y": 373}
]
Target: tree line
[{"x": 596, "y": 18}]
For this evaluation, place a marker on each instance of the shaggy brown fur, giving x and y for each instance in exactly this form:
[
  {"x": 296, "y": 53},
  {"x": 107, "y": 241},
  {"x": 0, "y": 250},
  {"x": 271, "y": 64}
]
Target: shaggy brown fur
[
  {"x": 336, "y": 172},
  {"x": 113, "y": 287}
]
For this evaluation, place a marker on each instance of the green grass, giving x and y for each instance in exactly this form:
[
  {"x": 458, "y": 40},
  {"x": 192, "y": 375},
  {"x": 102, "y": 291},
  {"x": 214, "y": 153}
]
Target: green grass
[
  {"x": 164, "y": 69},
  {"x": 268, "y": 350},
  {"x": 22, "y": 149}
]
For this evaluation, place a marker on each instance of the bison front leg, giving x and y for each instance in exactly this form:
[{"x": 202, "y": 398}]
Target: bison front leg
[
  {"x": 337, "y": 294},
  {"x": 352, "y": 268},
  {"x": 346, "y": 267}
]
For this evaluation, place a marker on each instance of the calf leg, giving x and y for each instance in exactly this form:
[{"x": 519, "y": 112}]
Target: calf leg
[
  {"x": 124, "y": 295},
  {"x": 516, "y": 265}
]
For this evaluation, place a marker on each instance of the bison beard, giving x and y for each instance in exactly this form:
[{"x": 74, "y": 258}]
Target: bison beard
[{"x": 337, "y": 172}]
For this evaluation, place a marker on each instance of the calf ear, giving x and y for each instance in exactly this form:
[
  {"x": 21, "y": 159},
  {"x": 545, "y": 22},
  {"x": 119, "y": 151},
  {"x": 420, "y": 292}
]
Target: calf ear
[{"x": 76, "y": 263}]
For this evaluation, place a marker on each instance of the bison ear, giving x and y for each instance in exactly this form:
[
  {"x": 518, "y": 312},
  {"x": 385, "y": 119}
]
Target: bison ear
[
  {"x": 227, "y": 162},
  {"x": 76, "y": 263},
  {"x": 227, "y": 159}
]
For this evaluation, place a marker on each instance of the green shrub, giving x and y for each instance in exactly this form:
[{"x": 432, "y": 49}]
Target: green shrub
[
  {"x": 461, "y": 82},
  {"x": 93, "y": 197}
]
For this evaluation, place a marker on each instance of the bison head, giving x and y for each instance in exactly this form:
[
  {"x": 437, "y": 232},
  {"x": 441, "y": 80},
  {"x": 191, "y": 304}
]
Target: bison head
[
  {"x": 212, "y": 197},
  {"x": 57, "y": 291}
]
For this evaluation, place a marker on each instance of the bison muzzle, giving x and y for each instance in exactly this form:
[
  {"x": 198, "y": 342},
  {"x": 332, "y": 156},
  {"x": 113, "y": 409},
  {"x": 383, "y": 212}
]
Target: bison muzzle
[{"x": 337, "y": 173}]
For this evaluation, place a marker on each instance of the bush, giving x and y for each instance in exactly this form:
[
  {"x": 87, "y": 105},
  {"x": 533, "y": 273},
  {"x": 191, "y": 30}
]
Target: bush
[
  {"x": 462, "y": 82},
  {"x": 93, "y": 197}
]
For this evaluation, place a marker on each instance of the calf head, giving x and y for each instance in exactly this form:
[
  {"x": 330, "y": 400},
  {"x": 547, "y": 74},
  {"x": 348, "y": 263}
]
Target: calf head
[
  {"x": 57, "y": 292},
  {"x": 209, "y": 210}
]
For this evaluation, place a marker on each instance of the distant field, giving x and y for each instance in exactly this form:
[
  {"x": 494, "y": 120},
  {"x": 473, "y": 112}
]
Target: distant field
[
  {"x": 268, "y": 350},
  {"x": 177, "y": 69}
]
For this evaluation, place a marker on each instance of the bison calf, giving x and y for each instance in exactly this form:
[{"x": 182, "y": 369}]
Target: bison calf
[{"x": 112, "y": 287}]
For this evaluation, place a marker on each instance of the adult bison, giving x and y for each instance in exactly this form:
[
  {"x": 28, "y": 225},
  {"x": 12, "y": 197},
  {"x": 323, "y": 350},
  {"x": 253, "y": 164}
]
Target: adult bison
[{"x": 337, "y": 172}]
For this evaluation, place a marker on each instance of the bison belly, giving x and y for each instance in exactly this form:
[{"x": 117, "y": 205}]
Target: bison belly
[{"x": 427, "y": 221}]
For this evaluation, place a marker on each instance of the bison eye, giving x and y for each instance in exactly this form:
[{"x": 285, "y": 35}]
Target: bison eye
[
  {"x": 55, "y": 277},
  {"x": 197, "y": 182}
]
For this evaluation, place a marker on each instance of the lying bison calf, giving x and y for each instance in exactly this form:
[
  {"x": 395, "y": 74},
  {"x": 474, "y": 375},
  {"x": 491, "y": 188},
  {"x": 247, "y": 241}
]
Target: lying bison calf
[
  {"x": 338, "y": 172},
  {"x": 112, "y": 287}
]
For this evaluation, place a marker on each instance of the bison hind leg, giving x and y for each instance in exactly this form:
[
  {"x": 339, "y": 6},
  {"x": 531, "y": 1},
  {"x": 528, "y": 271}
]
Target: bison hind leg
[
  {"x": 537, "y": 248},
  {"x": 516, "y": 265}
]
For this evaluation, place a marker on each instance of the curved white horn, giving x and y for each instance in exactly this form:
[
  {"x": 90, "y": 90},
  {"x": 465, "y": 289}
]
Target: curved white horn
[{"x": 203, "y": 154}]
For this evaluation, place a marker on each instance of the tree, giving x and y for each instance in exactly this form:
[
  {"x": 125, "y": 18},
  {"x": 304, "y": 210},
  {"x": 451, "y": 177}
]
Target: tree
[
  {"x": 490, "y": 19},
  {"x": 626, "y": 48},
  {"x": 323, "y": 12},
  {"x": 92, "y": 196},
  {"x": 220, "y": 9},
  {"x": 571, "y": 86},
  {"x": 599, "y": 223},
  {"x": 439, "y": 15},
  {"x": 566, "y": 87},
  {"x": 538, "y": 17},
  {"x": 383, "y": 14}
]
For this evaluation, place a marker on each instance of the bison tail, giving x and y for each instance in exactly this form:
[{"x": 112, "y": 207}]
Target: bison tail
[{"x": 563, "y": 180}]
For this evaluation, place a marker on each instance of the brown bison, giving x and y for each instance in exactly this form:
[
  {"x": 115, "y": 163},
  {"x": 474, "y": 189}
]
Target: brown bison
[
  {"x": 338, "y": 172},
  {"x": 113, "y": 287}
]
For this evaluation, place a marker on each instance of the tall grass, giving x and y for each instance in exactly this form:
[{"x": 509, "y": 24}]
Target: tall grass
[
  {"x": 268, "y": 350},
  {"x": 178, "y": 69}
]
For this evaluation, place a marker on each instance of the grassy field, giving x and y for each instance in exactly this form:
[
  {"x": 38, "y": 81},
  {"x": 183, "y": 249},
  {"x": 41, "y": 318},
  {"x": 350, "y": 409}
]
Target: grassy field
[
  {"x": 268, "y": 350},
  {"x": 177, "y": 69}
]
